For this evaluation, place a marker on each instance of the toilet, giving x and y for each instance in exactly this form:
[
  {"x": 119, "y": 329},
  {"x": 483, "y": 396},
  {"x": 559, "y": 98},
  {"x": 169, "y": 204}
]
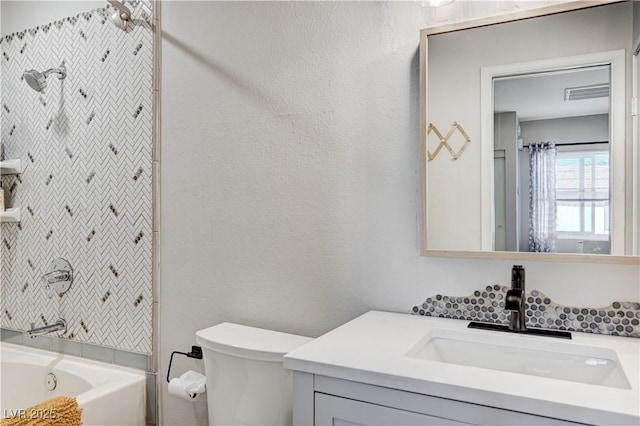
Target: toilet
[{"x": 247, "y": 383}]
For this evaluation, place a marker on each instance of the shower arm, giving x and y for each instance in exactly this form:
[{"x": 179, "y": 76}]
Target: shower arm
[{"x": 62, "y": 71}]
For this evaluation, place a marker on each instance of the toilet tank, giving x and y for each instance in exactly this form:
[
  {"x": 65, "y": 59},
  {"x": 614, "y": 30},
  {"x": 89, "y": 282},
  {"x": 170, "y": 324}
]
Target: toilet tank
[{"x": 246, "y": 380}]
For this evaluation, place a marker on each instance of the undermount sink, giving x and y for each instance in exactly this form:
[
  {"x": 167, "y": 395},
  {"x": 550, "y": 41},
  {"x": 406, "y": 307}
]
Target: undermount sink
[{"x": 541, "y": 357}]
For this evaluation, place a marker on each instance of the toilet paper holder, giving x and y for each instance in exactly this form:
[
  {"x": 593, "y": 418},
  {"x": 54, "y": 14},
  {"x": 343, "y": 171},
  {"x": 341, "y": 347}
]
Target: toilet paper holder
[{"x": 196, "y": 352}]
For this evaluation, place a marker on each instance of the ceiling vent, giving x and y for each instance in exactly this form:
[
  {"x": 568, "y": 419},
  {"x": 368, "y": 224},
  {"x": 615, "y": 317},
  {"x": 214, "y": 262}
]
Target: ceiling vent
[{"x": 586, "y": 92}]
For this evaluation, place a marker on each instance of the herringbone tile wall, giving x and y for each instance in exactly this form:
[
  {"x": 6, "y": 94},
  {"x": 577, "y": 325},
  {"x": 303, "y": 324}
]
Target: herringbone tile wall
[{"x": 86, "y": 192}]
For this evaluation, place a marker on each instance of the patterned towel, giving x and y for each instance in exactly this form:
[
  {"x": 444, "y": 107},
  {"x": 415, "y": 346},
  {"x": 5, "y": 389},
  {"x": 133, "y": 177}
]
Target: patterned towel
[{"x": 59, "y": 411}]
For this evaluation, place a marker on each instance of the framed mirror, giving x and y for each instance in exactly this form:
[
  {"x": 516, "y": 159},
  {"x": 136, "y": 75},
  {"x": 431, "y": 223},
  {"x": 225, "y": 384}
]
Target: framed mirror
[{"x": 529, "y": 147}]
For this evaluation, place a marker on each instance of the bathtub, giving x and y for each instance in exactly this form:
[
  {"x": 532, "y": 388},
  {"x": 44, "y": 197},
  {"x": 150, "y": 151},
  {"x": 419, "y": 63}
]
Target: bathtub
[{"x": 108, "y": 394}]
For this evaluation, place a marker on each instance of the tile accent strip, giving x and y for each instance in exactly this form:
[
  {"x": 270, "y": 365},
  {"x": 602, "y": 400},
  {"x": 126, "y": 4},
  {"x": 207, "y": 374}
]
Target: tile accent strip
[
  {"x": 618, "y": 319},
  {"x": 82, "y": 350}
]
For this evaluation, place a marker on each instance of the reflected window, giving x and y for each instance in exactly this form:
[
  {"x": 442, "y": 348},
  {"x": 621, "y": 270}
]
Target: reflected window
[{"x": 582, "y": 194}]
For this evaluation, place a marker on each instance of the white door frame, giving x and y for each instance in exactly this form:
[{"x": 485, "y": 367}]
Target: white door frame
[{"x": 614, "y": 58}]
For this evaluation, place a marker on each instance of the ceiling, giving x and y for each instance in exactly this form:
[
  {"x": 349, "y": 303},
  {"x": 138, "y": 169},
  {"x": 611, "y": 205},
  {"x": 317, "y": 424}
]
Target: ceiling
[{"x": 541, "y": 96}]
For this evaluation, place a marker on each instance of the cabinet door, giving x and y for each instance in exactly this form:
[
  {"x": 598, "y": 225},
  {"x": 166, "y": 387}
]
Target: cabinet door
[{"x": 336, "y": 411}]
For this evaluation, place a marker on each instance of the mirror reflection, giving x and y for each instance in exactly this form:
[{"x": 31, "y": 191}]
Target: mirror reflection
[
  {"x": 540, "y": 152},
  {"x": 551, "y": 161}
]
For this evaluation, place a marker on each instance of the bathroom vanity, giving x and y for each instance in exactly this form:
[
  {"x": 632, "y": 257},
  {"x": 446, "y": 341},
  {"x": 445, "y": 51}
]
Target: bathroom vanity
[{"x": 398, "y": 369}]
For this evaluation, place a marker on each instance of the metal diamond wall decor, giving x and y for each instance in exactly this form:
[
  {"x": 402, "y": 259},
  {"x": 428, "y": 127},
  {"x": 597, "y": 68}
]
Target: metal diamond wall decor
[{"x": 86, "y": 191}]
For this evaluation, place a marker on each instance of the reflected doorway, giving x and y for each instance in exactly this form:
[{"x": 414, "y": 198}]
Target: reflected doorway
[{"x": 551, "y": 161}]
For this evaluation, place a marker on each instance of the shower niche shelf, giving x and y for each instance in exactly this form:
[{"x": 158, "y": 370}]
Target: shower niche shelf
[
  {"x": 10, "y": 215},
  {"x": 11, "y": 167}
]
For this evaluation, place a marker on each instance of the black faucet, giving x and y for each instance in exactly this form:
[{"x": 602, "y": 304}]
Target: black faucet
[
  {"x": 515, "y": 305},
  {"x": 515, "y": 300}
]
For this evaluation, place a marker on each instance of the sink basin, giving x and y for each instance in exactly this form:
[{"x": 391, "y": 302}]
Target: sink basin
[{"x": 535, "y": 356}]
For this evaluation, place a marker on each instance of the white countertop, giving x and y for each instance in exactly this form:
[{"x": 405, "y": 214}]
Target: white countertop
[{"x": 372, "y": 349}]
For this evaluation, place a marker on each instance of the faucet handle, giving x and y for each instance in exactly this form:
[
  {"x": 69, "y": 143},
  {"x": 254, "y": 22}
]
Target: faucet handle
[
  {"x": 59, "y": 278},
  {"x": 514, "y": 299},
  {"x": 56, "y": 276},
  {"x": 517, "y": 276}
]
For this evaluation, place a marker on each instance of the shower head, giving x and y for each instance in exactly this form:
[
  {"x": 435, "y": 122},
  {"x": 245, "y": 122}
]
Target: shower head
[
  {"x": 121, "y": 16},
  {"x": 38, "y": 80},
  {"x": 35, "y": 79}
]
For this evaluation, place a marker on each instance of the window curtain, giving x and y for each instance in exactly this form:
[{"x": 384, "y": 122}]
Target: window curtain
[{"x": 542, "y": 197}]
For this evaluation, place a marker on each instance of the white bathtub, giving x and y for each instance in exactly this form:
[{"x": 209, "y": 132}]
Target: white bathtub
[{"x": 108, "y": 394}]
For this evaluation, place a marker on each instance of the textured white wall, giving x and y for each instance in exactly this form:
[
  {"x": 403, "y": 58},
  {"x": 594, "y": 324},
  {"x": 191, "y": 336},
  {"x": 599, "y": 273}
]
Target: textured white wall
[{"x": 289, "y": 174}]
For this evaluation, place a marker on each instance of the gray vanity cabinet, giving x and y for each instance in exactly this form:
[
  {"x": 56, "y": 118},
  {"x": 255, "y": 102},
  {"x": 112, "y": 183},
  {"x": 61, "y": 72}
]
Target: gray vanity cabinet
[{"x": 321, "y": 400}]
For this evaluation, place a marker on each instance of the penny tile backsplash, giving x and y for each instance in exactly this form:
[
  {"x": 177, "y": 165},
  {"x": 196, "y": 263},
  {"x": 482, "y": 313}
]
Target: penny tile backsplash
[{"x": 618, "y": 319}]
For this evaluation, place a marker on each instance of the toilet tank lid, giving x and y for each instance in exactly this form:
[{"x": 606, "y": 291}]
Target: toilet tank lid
[{"x": 249, "y": 342}]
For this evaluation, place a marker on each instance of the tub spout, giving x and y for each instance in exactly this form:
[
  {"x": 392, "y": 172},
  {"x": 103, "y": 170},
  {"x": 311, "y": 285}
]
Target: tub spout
[{"x": 60, "y": 325}]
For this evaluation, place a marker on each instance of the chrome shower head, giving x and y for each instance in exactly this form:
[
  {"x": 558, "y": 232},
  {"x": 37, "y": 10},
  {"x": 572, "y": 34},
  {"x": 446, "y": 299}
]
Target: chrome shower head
[
  {"x": 35, "y": 79},
  {"x": 38, "y": 80}
]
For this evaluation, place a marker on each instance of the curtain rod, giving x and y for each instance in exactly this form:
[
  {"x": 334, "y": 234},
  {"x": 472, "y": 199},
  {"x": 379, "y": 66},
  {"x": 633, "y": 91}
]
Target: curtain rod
[{"x": 574, "y": 143}]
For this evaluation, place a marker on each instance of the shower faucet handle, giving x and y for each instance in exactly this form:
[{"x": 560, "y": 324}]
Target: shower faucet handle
[{"x": 59, "y": 278}]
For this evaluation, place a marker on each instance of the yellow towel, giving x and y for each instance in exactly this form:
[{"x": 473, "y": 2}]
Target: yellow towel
[{"x": 59, "y": 411}]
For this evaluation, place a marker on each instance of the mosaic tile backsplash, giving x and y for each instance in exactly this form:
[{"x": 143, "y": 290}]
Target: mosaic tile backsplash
[
  {"x": 619, "y": 319},
  {"x": 86, "y": 192}
]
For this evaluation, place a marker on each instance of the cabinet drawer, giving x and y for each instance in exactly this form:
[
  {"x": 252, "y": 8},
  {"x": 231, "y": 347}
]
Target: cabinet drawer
[
  {"x": 336, "y": 411},
  {"x": 430, "y": 406}
]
